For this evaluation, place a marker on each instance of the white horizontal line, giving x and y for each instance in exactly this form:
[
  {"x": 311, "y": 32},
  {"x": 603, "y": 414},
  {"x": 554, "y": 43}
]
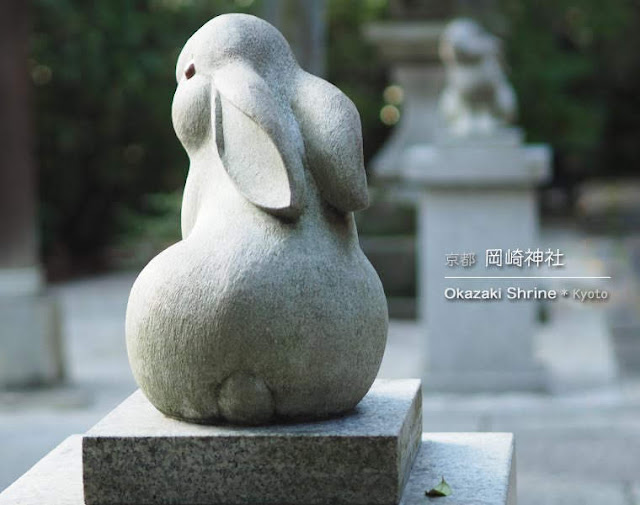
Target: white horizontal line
[{"x": 530, "y": 277}]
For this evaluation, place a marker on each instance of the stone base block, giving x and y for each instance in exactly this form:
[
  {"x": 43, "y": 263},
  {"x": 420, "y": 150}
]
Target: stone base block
[
  {"x": 480, "y": 467},
  {"x": 31, "y": 351},
  {"x": 136, "y": 455}
]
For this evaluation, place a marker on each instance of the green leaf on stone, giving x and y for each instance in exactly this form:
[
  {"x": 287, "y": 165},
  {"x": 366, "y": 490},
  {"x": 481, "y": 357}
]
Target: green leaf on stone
[{"x": 442, "y": 489}]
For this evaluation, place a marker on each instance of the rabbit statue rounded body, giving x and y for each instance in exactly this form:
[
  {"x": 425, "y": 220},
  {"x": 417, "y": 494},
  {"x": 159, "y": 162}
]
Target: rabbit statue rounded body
[{"x": 267, "y": 309}]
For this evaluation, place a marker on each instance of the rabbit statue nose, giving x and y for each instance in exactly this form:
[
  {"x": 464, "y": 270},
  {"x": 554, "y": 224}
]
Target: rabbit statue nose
[{"x": 267, "y": 309}]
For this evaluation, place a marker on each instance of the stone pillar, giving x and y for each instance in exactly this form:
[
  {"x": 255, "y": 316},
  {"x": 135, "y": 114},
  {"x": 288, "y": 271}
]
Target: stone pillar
[
  {"x": 29, "y": 341},
  {"x": 411, "y": 48},
  {"x": 476, "y": 195},
  {"x": 303, "y": 23}
]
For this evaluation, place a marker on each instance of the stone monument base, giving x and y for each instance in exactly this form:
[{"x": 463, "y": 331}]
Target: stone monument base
[
  {"x": 136, "y": 455},
  {"x": 32, "y": 352},
  {"x": 480, "y": 467},
  {"x": 476, "y": 195}
]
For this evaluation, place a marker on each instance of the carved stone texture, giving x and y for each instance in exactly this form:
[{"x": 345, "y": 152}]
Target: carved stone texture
[
  {"x": 477, "y": 98},
  {"x": 267, "y": 309},
  {"x": 136, "y": 455}
]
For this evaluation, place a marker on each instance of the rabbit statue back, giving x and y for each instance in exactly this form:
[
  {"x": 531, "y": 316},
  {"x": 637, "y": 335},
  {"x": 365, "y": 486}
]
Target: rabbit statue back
[{"x": 267, "y": 309}]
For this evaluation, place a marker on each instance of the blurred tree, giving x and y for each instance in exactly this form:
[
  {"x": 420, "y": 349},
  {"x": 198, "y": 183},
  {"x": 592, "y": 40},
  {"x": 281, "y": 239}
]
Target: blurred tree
[
  {"x": 18, "y": 247},
  {"x": 355, "y": 67},
  {"x": 104, "y": 77},
  {"x": 575, "y": 68}
]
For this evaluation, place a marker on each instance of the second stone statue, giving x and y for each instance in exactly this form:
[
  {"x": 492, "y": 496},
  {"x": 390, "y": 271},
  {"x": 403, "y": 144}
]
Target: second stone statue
[{"x": 267, "y": 309}]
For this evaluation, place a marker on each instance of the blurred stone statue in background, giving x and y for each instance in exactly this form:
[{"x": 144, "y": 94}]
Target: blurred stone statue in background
[{"x": 477, "y": 99}]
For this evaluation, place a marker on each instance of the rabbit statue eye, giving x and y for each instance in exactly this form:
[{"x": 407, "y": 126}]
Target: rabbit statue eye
[{"x": 190, "y": 70}]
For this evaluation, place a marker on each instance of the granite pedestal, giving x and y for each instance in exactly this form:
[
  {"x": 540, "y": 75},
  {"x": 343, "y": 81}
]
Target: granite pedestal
[
  {"x": 136, "y": 455},
  {"x": 480, "y": 467}
]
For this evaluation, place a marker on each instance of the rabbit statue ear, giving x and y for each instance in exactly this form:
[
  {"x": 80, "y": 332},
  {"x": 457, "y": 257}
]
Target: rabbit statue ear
[
  {"x": 260, "y": 149},
  {"x": 331, "y": 127}
]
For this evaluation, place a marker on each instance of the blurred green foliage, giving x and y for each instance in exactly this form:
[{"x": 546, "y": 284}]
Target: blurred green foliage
[
  {"x": 104, "y": 76},
  {"x": 104, "y": 80},
  {"x": 355, "y": 67},
  {"x": 575, "y": 68}
]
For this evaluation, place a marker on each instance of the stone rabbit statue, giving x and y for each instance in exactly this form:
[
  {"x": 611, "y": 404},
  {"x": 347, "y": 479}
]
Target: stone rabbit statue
[
  {"x": 267, "y": 309},
  {"x": 477, "y": 98}
]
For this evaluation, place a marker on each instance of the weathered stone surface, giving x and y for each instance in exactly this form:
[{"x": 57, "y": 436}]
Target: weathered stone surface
[
  {"x": 267, "y": 309},
  {"x": 479, "y": 466},
  {"x": 137, "y": 455}
]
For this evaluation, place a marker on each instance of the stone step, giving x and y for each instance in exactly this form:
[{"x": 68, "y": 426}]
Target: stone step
[
  {"x": 480, "y": 468},
  {"x": 138, "y": 455}
]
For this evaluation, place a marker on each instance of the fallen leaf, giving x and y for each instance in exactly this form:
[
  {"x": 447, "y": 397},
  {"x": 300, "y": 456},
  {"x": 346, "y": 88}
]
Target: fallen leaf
[{"x": 442, "y": 489}]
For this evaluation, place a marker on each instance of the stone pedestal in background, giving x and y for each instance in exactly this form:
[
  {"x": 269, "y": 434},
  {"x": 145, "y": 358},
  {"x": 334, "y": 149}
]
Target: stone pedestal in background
[
  {"x": 30, "y": 340},
  {"x": 375, "y": 454},
  {"x": 476, "y": 194},
  {"x": 411, "y": 50},
  {"x": 30, "y": 350}
]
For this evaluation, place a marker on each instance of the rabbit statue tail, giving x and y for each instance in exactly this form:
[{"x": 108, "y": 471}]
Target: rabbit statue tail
[{"x": 245, "y": 399}]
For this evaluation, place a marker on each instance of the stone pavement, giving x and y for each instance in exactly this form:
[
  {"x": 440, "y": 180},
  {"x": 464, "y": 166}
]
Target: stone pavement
[{"x": 579, "y": 445}]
